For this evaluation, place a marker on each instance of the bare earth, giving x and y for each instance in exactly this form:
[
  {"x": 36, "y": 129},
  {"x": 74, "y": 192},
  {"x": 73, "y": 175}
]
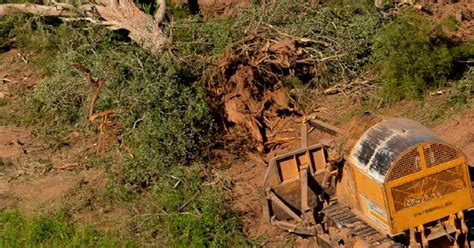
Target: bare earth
[
  {"x": 247, "y": 177},
  {"x": 35, "y": 176}
]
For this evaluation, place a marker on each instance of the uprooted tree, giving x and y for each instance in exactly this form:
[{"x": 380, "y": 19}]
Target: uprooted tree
[{"x": 113, "y": 14}]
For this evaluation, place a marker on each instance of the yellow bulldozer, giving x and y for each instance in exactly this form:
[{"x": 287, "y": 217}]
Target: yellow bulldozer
[{"x": 380, "y": 182}]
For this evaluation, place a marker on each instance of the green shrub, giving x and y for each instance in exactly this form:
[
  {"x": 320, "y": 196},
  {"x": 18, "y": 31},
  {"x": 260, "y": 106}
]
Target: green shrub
[
  {"x": 175, "y": 123},
  {"x": 164, "y": 120},
  {"x": 17, "y": 230},
  {"x": 194, "y": 36},
  {"x": 191, "y": 214},
  {"x": 463, "y": 90},
  {"x": 412, "y": 57},
  {"x": 160, "y": 92}
]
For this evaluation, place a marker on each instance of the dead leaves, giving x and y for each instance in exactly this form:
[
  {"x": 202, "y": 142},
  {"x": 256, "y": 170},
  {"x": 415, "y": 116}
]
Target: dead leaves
[
  {"x": 251, "y": 86},
  {"x": 257, "y": 109}
]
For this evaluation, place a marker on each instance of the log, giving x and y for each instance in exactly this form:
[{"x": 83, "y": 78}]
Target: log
[
  {"x": 114, "y": 14},
  {"x": 10, "y": 9}
]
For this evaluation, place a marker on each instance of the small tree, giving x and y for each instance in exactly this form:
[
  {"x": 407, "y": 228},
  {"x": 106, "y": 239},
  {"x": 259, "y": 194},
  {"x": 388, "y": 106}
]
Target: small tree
[{"x": 411, "y": 57}]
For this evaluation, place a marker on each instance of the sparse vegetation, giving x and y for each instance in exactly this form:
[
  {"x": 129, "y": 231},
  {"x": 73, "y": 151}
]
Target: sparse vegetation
[
  {"x": 463, "y": 90},
  {"x": 17, "y": 230},
  {"x": 452, "y": 23},
  {"x": 165, "y": 122}
]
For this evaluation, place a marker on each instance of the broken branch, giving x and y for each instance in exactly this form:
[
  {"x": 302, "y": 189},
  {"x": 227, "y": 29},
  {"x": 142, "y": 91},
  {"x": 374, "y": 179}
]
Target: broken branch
[
  {"x": 188, "y": 201},
  {"x": 123, "y": 14}
]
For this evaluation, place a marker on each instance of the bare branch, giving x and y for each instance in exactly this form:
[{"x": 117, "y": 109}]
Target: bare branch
[
  {"x": 160, "y": 13},
  {"x": 9, "y": 9},
  {"x": 143, "y": 28},
  {"x": 115, "y": 14}
]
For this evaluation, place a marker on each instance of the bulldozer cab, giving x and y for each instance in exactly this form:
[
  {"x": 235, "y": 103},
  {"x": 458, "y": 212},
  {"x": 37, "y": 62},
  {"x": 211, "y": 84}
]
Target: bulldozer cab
[
  {"x": 406, "y": 176},
  {"x": 398, "y": 176}
]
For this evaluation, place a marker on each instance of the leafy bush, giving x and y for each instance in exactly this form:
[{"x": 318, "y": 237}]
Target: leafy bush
[
  {"x": 164, "y": 121},
  {"x": 17, "y": 230},
  {"x": 412, "y": 56},
  {"x": 163, "y": 108},
  {"x": 194, "y": 36},
  {"x": 185, "y": 212},
  {"x": 175, "y": 122},
  {"x": 463, "y": 91}
]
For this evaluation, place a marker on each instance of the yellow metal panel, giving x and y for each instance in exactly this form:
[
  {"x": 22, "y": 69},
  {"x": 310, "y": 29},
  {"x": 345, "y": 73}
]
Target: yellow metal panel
[
  {"x": 369, "y": 188},
  {"x": 422, "y": 157},
  {"x": 287, "y": 169},
  {"x": 430, "y": 211},
  {"x": 346, "y": 189},
  {"x": 422, "y": 173},
  {"x": 371, "y": 199},
  {"x": 430, "y": 204},
  {"x": 319, "y": 159}
]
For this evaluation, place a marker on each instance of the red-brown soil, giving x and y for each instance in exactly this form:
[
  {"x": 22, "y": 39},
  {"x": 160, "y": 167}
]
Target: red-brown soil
[
  {"x": 462, "y": 12},
  {"x": 34, "y": 175},
  {"x": 459, "y": 131},
  {"x": 248, "y": 172}
]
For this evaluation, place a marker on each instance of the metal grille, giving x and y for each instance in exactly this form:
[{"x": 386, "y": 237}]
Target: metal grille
[
  {"x": 406, "y": 165},
  {"x": 428, "y": 188},
  {"x": 437, "y": 154}
]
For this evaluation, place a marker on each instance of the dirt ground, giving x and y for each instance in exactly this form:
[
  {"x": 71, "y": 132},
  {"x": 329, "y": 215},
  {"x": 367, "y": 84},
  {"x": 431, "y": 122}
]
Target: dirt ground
[
  {"x": 457, "y": 17},
  {"x": 459, "y": 131},
  {"x": 36, "y": 176},
  {"x": 248, "y": 174}
]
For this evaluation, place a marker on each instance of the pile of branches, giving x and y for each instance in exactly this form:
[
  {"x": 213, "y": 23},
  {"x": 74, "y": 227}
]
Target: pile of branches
[{"x": 319, "y": 48}]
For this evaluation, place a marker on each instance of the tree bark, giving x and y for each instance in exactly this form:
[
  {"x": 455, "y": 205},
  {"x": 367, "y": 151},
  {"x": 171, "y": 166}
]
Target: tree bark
[
  {"x": 9, "y": 9},
  {"x": 114, "y": 14}
]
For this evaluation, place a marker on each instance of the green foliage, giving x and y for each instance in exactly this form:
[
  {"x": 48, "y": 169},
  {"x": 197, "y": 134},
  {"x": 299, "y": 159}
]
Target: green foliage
[
  {"x": 194, "y": 36},
  {"x": 17, "y": 230},
  {"x": 188, "y": 213},
  {"x": 164, "y": 120},
  {"x": 174, "y": 123},
  {"x": 463, "y": 90},
  {"x": 60, "y": 103},
  {"x": 210, "y": 227},
  {"x": 146, "y": 7},
  {"x": 412, "y": 57}
]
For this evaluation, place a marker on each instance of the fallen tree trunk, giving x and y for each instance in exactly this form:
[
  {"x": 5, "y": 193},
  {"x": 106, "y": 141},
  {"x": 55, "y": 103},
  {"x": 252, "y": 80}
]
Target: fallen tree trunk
[
  {"x": 9, "y": 9},
  {"x": 114, "y": 14}
]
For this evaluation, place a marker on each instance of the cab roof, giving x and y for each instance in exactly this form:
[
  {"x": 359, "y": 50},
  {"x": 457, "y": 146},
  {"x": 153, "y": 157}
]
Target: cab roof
[{"x": 377, "y": 149}]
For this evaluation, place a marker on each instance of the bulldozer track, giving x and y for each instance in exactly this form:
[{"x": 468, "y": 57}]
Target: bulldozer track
[
  {"x": 343, "y": 218},
  {"x": 426, "y": 177}
]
